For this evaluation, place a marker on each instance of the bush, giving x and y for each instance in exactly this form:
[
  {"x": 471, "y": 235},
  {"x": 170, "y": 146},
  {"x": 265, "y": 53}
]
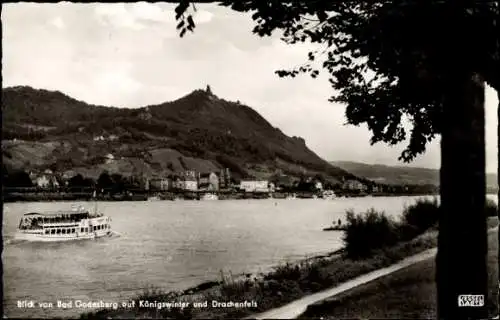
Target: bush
[
  {"x": 420, "y": 216},
  {"x": 367, "y": 232},
  {"x": 372, "y": 230}
]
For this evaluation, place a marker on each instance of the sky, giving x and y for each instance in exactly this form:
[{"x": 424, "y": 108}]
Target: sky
[{"x": 130, "y": 55}]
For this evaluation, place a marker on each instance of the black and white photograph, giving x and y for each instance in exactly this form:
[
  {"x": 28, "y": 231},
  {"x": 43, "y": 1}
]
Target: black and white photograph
[{"x": 251, "y": 160}]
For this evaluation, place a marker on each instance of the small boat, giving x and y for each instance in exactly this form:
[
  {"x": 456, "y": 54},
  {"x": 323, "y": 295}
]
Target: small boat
[
  {"x": 66, "y": 225},
  {"x": 335, "y": 228},
  {"x": 209, "y": 196},
  {"x": 329, "y": 195},
  {"x": 292, "y": 196}
]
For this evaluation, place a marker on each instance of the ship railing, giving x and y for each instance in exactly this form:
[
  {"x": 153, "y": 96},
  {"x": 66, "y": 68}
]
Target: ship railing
[{"x": 60, "y": 223}]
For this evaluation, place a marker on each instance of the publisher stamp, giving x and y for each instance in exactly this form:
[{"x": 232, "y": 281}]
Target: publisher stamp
[{"x": 471, "y": 300}]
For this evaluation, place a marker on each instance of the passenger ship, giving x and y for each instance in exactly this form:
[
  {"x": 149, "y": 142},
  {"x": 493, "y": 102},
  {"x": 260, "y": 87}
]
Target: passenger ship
[{"x": 63, "y": 225}]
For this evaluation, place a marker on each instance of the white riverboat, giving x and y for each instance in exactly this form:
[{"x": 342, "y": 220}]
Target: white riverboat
[{"x": 77, "y": 224}]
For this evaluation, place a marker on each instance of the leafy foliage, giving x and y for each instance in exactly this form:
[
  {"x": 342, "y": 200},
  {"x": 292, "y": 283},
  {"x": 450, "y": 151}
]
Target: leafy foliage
[
  {"x": 372, "y": 230},
  {"x": 383, "y": 73},
  {"x": 15, "y": 178},
  {"x": 491, "y": 208},
  {"x": 104, "y": 181},
  {"x": 421, "y": 215},
  {"x": 367, "y": 232}
]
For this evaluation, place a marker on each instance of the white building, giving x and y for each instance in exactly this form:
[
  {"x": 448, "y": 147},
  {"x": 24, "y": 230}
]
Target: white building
[
  {"x": 318, "y": 186},
  {"x": 272, "y": 187},
  {"x": 255, "y": 185},
  {"x": 354, "y": 185},
  {"x": 42, "y": 181},
  {"x": 190, "y": 185}
]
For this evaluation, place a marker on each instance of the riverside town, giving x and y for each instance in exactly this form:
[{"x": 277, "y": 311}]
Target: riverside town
[{"x": 191, "y": 185}]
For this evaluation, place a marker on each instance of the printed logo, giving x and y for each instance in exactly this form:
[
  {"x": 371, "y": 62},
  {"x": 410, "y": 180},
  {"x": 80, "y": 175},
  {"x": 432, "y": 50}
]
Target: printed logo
[{"x": 471, "y": 300}]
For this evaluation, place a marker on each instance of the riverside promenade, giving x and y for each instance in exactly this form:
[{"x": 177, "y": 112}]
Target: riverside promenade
[{"x": 328, "y": 304}]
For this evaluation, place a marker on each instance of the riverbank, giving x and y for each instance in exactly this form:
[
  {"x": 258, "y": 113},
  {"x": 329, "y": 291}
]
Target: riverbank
[
  {"x": 285, "y": 284},
  {"x": 258, "y": 293},
  {"x": 169, "y": 196},
  {"x": 409, "y": 293}
]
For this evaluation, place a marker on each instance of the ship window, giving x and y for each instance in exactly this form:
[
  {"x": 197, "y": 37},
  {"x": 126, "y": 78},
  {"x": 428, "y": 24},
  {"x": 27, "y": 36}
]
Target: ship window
[
  {"x": 53, "y": 231},
  {"x": 63, "y": 231},
  {"x": 99, "y": 227},
  {"x": 47, "y": 231},
  {"x": 81, "y": 230},
  {"x": 58, "y": 231},
  {"x": 73, "y": 230},
  {"x": 95, "y": 228},
  {"x": 86, "y": 229}
]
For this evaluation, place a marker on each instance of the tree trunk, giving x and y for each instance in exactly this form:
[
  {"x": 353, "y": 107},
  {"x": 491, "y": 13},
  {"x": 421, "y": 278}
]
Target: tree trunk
[
  {"x": 498, "y": 194},
  {"x": 462, "y": 242}
]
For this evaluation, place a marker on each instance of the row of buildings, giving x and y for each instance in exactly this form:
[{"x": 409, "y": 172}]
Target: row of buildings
[
  {"x": 194, "y": 181},
  {"x": 210, "y": 182}
]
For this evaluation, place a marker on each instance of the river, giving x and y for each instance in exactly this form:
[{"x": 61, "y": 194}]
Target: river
[{"x": 170, "y": 245}]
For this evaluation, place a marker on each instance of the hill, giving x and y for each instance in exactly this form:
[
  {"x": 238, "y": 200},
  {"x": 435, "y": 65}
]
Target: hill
[
  {"x": 399, "y": 174},
  {"x": 48, "y": 129}
]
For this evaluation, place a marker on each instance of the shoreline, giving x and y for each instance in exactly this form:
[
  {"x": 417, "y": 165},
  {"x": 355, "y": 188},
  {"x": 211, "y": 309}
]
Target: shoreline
[
  {"x": 268, "y": 291},
  {"x": 61, "y": 196},
  {"x": 276, "y": 296}
]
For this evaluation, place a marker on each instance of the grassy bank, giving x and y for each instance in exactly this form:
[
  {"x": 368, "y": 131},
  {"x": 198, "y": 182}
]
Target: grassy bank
[
  {"x": 363, "y": 252},
  {"x": 409, "y": 293}
]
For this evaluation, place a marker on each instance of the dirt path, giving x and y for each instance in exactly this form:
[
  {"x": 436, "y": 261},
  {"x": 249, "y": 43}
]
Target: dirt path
[{"x": 297, "y": 307}]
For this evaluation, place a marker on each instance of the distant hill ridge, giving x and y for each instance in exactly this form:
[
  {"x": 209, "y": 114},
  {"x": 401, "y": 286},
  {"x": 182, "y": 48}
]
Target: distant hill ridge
[
  {"x": 399, "y": 174},
  {"x": 198, "y": 132}
]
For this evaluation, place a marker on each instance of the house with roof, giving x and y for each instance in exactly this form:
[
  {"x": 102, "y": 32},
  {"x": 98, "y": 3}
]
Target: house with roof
[
  {"x": 177, "y": 182},
  {"x": 354, "y": 185},
  {"x": 254, "y": 185},
  {"x": 161, "y": 184},
  {"x": 224, "y": 178},
  {"x": 189, "y": 180},
  {"x": 45, "y": 180},
  {"x": 208, "y": 181}
]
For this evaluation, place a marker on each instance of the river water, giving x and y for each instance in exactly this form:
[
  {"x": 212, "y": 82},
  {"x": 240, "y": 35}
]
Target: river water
[{"x": 170, "y": 245}]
